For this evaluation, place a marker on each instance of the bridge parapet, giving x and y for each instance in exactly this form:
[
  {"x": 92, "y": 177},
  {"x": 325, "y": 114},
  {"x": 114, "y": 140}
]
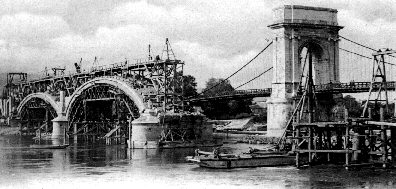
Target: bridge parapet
[
  {"x": 332, "y": 88},
  {"x": 352, "y": 87},
  {"x": 228, "y": 95}
]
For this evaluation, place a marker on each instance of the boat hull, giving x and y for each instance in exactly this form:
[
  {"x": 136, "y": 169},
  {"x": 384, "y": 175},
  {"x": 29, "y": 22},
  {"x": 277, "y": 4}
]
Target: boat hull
[
  {"x": 48, "y": 146},
  {"x": 240, "y": 162}
]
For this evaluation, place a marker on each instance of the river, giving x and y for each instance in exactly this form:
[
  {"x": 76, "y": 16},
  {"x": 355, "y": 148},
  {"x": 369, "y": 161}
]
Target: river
[{"x": 100, "y": 166}]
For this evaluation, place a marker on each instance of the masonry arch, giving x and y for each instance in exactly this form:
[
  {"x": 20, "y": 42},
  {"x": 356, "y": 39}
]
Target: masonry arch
[
  {"x": 42, "y": 97},
  {"x": 102, "y": 104},
  {"x": 320, "y": 62},
  {"x": 37, "y": 110}
]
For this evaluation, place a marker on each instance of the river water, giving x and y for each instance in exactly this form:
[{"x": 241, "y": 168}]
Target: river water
[{"x": 100, "y": 166}]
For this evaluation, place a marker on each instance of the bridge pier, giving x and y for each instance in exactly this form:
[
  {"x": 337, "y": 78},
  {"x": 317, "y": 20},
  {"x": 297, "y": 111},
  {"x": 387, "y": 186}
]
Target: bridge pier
[
  {"x": 170, "y": 130},
  {"x": 145, "y": 131},
  {"x": 299, "y": 31},
  {"x": 59, "y": 124},
  {"x": 278, "y": 114}
]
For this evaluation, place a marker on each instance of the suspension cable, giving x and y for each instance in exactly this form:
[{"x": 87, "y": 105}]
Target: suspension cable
[
  {"x": 254, "y": 78},
  {"x": 236, "y": 71},
  {"x": 365, "y": 46},
  {"x": 364, "y": 56}
]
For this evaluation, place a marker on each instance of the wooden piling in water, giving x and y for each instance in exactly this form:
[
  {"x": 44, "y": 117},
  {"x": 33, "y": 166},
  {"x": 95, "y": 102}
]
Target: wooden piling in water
[
  {"x": 384, "y": 150},
  {"x": 346, "y": 141},
  {"x": 39, "y": 130}
]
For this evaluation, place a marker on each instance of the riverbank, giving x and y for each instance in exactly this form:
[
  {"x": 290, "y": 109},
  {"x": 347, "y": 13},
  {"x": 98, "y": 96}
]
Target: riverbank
[{"x": 6, "y": 130}]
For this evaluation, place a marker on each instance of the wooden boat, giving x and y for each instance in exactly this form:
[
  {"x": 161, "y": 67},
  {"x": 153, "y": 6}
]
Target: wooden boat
[
  {"x": 192, "y": 144},
  {"x": 227, "y": 161},
  {"x": 48, "y": 146}
]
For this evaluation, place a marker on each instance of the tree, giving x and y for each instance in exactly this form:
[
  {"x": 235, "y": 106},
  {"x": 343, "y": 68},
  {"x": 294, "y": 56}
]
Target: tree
[
  {"x": 354, "y": 107},
  {"x": 223, "y": 109},
  {"x": 189, "y": 86},
  {"x": 215, "y": 86}
]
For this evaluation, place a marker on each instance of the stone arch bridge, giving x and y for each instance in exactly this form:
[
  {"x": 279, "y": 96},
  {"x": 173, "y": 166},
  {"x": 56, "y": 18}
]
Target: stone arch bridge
[{"x": 100, "y": 102}]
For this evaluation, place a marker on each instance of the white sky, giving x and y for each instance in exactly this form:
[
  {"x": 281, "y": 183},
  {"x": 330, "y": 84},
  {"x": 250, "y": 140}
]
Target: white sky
[{"x": 212, "y": 37}]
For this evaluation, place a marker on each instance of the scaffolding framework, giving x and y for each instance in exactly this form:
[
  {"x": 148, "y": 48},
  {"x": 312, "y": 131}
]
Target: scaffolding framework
[{"x": 378, "y": 81}]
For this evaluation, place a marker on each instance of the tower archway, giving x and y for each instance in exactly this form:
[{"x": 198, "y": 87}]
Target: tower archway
[{"x": 299, "y": 30}]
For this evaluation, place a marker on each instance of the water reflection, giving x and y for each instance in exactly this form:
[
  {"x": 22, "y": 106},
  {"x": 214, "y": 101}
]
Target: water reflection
[{"x": 87, "y": 165}]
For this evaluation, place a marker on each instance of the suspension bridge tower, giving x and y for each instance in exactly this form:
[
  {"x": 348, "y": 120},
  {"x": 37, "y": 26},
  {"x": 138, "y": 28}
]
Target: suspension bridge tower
[{"x": 298, "y": 31}]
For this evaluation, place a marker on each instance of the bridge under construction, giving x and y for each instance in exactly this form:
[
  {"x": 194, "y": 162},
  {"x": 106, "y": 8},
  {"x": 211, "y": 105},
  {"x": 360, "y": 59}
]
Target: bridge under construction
[
  {"x": 143, "y": 101},
  {"x": 105, "y": 101}
]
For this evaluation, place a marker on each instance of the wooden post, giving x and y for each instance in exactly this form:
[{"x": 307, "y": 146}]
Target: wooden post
[
  {"x": 370, "y": 115},
  {"x": 65, "y": 138},
  {"x": 130, "y": 132},
  {"x": 328, "y": 142},
  {"x": 346, "y": 146},
  {"x": 20, "y": 128},
  {"x": 346, "y": 115},
  {"x": 372, "y": 140},
  {"x": 310, "y": 144},
  {"x": 383, "y": 139},
  {"x": 393, "y": 137},
  {"x": 75, "y": 138},
  {"x": 320, "y": 138},
  {"x": 355, "y": 146},
  {"x": 393, "y": 141},
  {"x": 47, "y": 121},
  {"x": 297, "y": 147},
  {"x": 39, "y": 131}
]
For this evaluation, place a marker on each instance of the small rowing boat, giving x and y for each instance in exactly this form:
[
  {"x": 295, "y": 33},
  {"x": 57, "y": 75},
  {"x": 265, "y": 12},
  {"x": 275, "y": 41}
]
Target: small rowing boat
[
  {"x": 48, "y": 146},
  {"x": 228, "y": 161}
]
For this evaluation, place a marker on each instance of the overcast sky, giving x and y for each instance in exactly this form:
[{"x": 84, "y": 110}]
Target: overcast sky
[{"x": 212, "y": 37}]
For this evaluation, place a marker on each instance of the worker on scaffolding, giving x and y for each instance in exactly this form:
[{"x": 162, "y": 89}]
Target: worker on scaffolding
[{"x": 78, "y": 67}]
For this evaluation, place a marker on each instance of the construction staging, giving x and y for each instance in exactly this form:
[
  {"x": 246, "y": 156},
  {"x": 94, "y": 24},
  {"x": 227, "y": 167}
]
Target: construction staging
[
  {"x": 368, "y": 140},
  {"x": 141, "y": 103},
  {"x": 105, "y": 101}
]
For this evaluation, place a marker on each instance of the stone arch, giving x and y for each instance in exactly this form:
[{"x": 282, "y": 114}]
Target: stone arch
[
  {"x": 321, "y": 60},
  {"x": 43, "y": 96},
  {"x": 118, "y": 82}
]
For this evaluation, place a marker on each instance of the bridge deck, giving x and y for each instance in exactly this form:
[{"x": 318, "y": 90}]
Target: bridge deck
[{"x": 331, "y": 88}]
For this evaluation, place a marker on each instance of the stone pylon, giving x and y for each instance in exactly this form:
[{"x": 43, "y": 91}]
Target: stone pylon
[{"x": 297, "y": 28}]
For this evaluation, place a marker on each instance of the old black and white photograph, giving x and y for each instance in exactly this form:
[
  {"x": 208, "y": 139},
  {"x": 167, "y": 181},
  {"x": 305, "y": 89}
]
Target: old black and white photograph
[{"x": 197, "y": 94}]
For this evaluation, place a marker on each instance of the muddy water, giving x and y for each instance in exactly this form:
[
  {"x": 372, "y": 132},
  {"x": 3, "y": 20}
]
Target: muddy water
[{"x": 100, "y": 166}]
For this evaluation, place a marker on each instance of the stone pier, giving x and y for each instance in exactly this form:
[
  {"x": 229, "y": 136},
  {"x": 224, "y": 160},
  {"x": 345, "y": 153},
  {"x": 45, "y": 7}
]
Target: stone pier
[
  {"x": 59, "y": 124},
  {"x": 153, "y": 130},
  {"x": 296, "y": 29}
]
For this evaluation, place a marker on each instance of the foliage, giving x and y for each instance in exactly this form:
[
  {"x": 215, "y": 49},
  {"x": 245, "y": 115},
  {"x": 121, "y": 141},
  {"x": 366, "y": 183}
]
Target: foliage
[
  {"x": 354, "y": 107},
  {"x": 189, "y": 85},
  {"x": 216, "y": 86},
  {"x": 223, "y": 109}
]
